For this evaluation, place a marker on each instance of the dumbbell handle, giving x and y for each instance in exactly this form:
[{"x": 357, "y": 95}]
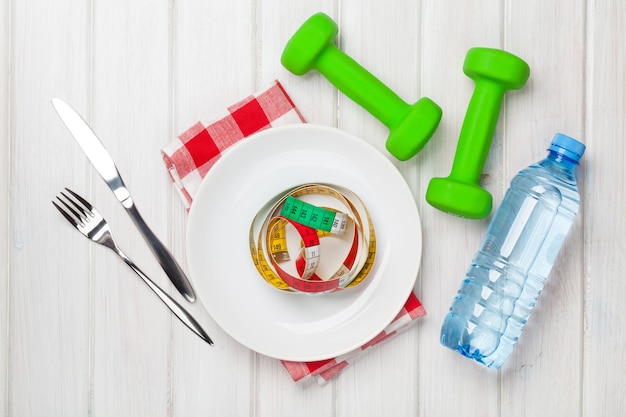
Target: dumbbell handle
[
  {"x": 361, "y": 86},
  {"x": 477, "y": 131}
]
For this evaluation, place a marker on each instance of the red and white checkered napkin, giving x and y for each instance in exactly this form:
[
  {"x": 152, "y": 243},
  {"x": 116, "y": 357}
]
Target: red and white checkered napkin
[{"x": 191, "y": 156}]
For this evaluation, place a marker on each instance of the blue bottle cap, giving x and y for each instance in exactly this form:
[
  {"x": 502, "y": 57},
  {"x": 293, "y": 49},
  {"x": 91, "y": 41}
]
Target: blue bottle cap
[{"x": 567, "y": 146}]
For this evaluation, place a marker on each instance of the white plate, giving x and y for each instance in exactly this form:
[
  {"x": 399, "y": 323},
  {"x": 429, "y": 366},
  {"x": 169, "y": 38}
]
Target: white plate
[{"x": 288, "y": 326}]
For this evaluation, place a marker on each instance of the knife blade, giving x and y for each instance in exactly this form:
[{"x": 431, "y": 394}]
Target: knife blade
[{"x": 103, "y": 163}]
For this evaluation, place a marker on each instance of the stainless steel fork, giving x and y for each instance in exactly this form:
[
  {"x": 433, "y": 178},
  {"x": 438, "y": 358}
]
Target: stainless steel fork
[{"x": 90, "y": 223}]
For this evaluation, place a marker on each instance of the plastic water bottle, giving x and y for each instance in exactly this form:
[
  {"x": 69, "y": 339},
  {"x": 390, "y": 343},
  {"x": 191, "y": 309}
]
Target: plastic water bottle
[{"x": 515, "y": 257}]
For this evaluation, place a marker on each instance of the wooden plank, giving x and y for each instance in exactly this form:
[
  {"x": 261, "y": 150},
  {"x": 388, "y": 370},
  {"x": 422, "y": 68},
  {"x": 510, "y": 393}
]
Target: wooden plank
[
  {"x": 449, "y": 29},
  {"x": 213, "y": 67},
  {"x": 5, "y": 145},
  {"x": 604, "y": 200},
  {"x": 386, "y": 41},
  {"x": 48, "y": 261},
  {"x": 132, "y": 357},
  {"x": 548, "y": 353},
  {"x": 274, "y": 390}
]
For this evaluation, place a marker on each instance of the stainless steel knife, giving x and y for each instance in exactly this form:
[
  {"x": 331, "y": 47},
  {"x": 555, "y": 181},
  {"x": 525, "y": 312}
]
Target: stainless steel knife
[{"x": 103, "y": 163}]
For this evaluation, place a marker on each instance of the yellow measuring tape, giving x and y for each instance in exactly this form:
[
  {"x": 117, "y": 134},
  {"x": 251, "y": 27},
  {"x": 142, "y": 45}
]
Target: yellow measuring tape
[{"x": 339, "y": 215}]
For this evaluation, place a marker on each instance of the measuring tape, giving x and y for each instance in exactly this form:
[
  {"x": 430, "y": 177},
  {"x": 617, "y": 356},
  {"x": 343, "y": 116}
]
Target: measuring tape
[{"x": 340, "y": 217}]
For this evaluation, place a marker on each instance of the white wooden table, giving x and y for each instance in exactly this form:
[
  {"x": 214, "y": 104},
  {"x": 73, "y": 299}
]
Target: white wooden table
[{"x": 80, "y": 335}]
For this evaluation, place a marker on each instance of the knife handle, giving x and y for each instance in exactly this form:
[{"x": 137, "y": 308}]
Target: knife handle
[{"x": 165, "y": 258}]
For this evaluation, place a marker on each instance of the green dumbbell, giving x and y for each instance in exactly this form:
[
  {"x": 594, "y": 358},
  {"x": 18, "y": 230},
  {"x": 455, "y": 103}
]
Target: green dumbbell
[
  {"x": 494, "y": 72},
  {"x": 312, "y": 47}
]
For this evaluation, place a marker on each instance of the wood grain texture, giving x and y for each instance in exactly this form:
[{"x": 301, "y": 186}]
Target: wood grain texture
[
  {"x": 450, "y": 29},
  {"x": 5, "y": 157},
  {"x": 605, "y": 224},
  {"x": 275, "y": 392},
  {"x": 552, "y": 335},
  {"x": 49, "y": 300},
  {"x": 211, "y": 41},
  {"x": 394, "y": 58},
  {"x": 81, "y": 335},
  {"x": 130, "y": 113}
]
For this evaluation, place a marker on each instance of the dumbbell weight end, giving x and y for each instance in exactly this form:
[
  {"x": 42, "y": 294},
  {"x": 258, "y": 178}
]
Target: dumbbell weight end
[
  {"x": 414, "y": 131},
  {"x": 459, "y": 198}
]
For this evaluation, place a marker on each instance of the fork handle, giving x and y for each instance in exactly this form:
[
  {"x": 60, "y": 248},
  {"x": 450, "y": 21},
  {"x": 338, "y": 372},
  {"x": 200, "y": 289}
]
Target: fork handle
[
  {"x": 178, "y": 310},
  {"x": 165, "y": 258}
]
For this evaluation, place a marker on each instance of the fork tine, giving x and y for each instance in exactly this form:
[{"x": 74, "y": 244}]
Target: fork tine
[
  {"x": 75, "y": 209},
  {"x": 85, "y": 209},
  {"x": 65, "y": 214},
  {"x": 79, "y": 198}
]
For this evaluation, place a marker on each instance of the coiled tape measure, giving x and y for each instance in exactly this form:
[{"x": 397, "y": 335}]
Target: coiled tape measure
[{"x": 333, "y": 236}]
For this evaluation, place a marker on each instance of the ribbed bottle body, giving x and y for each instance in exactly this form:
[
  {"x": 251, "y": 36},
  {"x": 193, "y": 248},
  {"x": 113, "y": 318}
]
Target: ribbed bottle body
[{"x": 515, "y": 257}]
